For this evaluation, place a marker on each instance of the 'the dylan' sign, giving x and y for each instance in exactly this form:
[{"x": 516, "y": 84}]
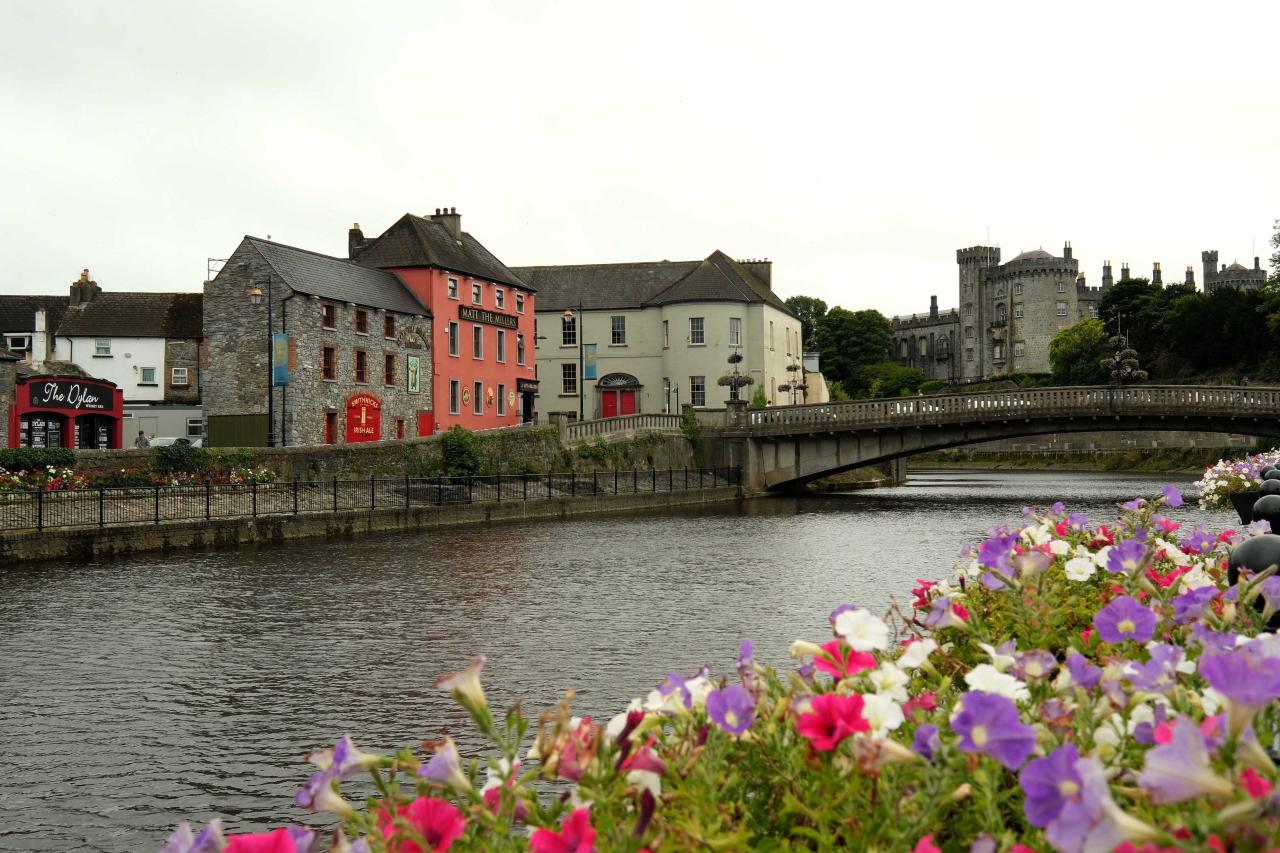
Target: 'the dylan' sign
[{"x": 70, "y": 394}]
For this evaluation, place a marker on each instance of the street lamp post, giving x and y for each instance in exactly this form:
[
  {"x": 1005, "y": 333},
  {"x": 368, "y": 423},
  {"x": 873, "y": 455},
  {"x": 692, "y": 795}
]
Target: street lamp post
[
  {"x": 255, "y": 298},
  {"x": 577, "y": 333}
]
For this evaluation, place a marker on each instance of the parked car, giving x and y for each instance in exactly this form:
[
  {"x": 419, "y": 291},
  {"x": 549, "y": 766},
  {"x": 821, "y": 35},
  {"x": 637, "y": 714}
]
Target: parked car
[{"x": 168, "y": 441}]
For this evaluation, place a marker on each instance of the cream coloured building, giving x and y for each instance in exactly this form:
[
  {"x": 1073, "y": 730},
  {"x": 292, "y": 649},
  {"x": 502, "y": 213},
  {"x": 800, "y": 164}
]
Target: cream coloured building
[{"x": 659, "y": 334}]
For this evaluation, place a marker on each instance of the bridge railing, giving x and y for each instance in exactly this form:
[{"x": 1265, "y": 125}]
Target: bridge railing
[
  {"x": 624, "y": 424},
  {"x": 1032, "y": 402}
]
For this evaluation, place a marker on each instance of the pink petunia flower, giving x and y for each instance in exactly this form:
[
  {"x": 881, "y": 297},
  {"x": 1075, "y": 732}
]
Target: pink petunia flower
[
  {"x": 438, "y": 821},
  {"x": 576, "y": 835},
  {"x": 831, "y": 719}
]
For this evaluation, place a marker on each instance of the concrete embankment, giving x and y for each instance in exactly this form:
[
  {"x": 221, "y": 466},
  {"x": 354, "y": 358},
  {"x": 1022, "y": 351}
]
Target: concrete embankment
[{"x": 83, "y": 544}]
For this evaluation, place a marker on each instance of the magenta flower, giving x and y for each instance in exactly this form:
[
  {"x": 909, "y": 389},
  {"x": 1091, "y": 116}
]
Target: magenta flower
[
  {"x": 1126, "y": 556},
  {"x": 293, "y": 839},
  {"x": 1179, "y": 770},
  {"x": 732, "y": 709},
  {"x": 1049, "y": 783},
  {"x": 576, "y": 835},
  {"x": 1172, "y": 497},
  {"x": 1125, "y": 619},
  {"x": 989, "y": 724}
]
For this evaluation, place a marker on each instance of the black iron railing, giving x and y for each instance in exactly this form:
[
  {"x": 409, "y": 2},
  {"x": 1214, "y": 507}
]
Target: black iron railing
[{"x": 104, "y": 507}]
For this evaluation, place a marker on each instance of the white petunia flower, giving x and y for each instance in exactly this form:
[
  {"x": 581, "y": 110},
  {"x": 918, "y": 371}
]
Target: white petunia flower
[
  {"x": 1100, "y": 558},
  {"x": 882, "y": 713},
  {"x": 988, "y": 679},
  {"x": 862, "y": 630},
  {"x": 1001, "y": 662},
  {"x": 890, "y": 681},
  {"x": 1080, "y": 568},
  {"x": 1194, "y": 579},
  {"x": 1059, "y": 547},
  {"x": 917, "y": 653}
]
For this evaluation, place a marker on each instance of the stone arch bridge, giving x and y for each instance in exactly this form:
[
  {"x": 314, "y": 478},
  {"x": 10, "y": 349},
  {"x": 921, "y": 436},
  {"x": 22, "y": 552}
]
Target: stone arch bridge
[{"x": 785, "y": 447}]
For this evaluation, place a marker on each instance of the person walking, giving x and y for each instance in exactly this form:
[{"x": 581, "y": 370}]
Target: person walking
[{"x": 141, "y": 441}]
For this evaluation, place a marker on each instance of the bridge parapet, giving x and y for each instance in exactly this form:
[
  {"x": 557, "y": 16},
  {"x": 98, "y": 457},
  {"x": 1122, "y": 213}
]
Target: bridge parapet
[
  {"x": 624, "y": 426},
  {"x": 1088, "y": 401}
]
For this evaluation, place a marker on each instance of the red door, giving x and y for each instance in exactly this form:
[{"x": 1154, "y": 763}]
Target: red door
[
  {"x": 609, "y": 404},
  {"x": 627, "y": 404}
]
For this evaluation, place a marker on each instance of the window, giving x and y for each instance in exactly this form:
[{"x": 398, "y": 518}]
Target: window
[
  {"x": 568, "y": 331},
  {"x": 102, "y": 346},
  {"x": 1002, "y": 313},
  {"x": 329, "y": 315},
  {"x": 477, "y": 341},
  {"x": 477, "y": 294},
  {"x": 1062, "y": 287},
  {"x": 389, "y": 325},
  {"x": 697, "y": 335},
  {"x": 330, "y": 427},
  {"x": 178, "y": 377},
  {"x": 454, "y": 393},
  {"x": 997, "y": 352},
  {"x": 698, "y": 390},
  {"x": 146, "y": 376},
  {"x": 666, "y": 334},
  {"x": 362, "y": 322},
  {"x": 329, "y": 363},
  {"x": 1019, "y": 349},
  {"x": 389, "y": 368},
  {"x": 968, "y": 355},
  {"x": 519, "y": 348},
  {"x": 519, "y": 302},
  {"x": 618, "y": 331},
  {"x": 362, "y": 366},
  {"x": 1017, "y": 289},
  {"x": 195, "y": 427},
  {"x": 19, "y": 343},
  {"x": 968, "y": 332},
  {"x": 499, "y": 298},
  {"x": 1017, "y": 310},
  {"x": 569, "y": 379},
  {"x": 1062, "y": 309},
  {"x": 399, "y": 427},
  {"x": 454, "y": 335},
  {"x": 477, "y": 398},
  {"x": 502, "y": 345},
  {"x": 770, "y": 334},
  {"x": 453, "y": 288},
  {"x": 502, "y": 399},
  {"x": 968, "y": 308},
  {"x": 735, "y": 332}
]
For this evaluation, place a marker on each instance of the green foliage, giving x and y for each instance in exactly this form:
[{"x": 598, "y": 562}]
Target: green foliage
[
  {"x": 851, "y": 340},
  {"x": 691, "y": 428},
  {"x": 459, "y": 453},
  {"x": 932, "y": 385},
  {"x": 27, "y": 458},
  {"x": 598, "y": 451},
  {"x": 1076, "y": 353},
  {"x": 811, "y": 312},
  {"x": 758, "y": 399},
  {"x": 836, "y": 392},
  {"x": 179, "y": 458},
  {"x": 887, "y": 379}
]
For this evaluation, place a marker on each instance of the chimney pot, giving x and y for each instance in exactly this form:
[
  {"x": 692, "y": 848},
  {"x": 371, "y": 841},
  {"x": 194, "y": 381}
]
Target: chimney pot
[
  {"x": 453, "y": 211},
  {"x": 437, "y": 211}
]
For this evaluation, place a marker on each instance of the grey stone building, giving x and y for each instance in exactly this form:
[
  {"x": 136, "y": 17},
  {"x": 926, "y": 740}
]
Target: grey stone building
[
  {"x": 358, "y": 354},
  {"x": 927, "y": 342},
  {"x": 1235, "y": 275}
]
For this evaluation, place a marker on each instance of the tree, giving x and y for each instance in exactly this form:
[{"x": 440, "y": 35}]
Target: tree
[
  {"x": 1076, "y": 353},
  {"x": 849, "y": 340},
  {"x": 810, "y": 310},
  {"x": 1123, "y": 366},
  {"x": 887, "y": 379}
]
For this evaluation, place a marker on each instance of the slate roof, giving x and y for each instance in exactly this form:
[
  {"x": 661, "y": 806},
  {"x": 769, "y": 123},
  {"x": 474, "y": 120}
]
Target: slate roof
[
  {"x": 1034, "y": 255},
  {"x": 336, "y": 278},
  {"x": 717, "y": 278},
  {"x": 136, "y": 315},
  {"x": 415, "y": 241},
  {"x": 18, "y": 313}
]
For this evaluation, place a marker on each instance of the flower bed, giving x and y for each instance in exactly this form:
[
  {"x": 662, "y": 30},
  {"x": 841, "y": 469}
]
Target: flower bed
[
  {"x": 1075, "y": 686},
  {"x": 1233, "y": 476},
  {"x": 54, "y": 479}
]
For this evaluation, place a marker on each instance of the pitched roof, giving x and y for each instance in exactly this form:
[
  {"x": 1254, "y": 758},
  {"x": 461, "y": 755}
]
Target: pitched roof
[
  {"x": 597, "y": 287},
  {"x": 18, "y": 313},
  {"x": 717, "y": 278},
  {"x": 415, "y": 241},
  {"x": 140, "y": 315},
  {"x": 336, "y": 278}
]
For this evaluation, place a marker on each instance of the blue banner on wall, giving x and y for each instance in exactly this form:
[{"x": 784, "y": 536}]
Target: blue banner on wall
[
  {"x": 588, "y": 361},
  {"x": 280, "y": 361}
]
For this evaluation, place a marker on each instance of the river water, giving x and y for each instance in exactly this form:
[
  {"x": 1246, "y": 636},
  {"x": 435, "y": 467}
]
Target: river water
[{"x": 139, "y": 693}]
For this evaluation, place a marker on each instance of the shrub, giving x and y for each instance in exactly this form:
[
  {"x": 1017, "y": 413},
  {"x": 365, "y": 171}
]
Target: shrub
[
  {"x": 28, "y": 458},
  {"x": 179, "y": 458},
  {"x": 758, "y": 399},
  {"x": 459, "y": 453}
]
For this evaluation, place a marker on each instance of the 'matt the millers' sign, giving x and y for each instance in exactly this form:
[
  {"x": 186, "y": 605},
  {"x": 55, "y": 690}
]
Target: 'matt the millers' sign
[
  {"x": 493, "y": 318},
  {"x": 71, "y": 394}
]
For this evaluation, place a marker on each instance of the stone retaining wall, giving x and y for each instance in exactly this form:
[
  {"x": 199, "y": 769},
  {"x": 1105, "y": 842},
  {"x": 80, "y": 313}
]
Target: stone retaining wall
[{"x": 80, "y": 545}]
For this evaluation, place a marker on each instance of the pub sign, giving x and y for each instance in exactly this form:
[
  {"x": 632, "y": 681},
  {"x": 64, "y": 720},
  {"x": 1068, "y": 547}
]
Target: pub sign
[
  {"x": 76, "y": 395},
  {"x": 364, "y": 418}
]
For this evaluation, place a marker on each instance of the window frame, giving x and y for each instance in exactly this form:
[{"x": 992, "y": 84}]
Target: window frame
[
  {"x": 198, "y": 423},
  {"x": 500, "y": 298},
  {"x": 618, "y": 330},
  {"x": 477, "y": 397},
  {"x": 666, "y": 334},
  {"x": 502, "y": 400},
  {"x": 329, "y": 363},
  {"x": 362, "y": 322},
  {"x": 519, "y": 348},
  {"x": 360, "y": 366},
  {"x": 519, "y": 302},
  {"x": 455, "y": 397},
  {"x": 455, "y": 339},
  {"x": 702, "y": 332},
  {"x": 477, "y": 341},
  {"x": 186, "y": 377},
  {"x": 328, "y": 315},
  {"x": 569, "y": 374},
  {"x": 735, "y": 331},
  {"x": 451, "y": 289},
  {"x": 101, "y": 351},
  {"x": 142, "y": 376},
  {"x": 569, "y": 331},
  {"x": 389, "y": 368},
  {"x": 1061, "y": 309},
  {"x": 500, "y": 346},
  {"x": 696, "y": 390},
  {"x": 477, "y": 293},
  {"x": 389, "y": 326}
]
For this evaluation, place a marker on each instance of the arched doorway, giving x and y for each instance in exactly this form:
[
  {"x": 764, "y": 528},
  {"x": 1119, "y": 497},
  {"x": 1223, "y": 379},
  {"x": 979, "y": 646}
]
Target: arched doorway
[{"x": 619, "y": 395}]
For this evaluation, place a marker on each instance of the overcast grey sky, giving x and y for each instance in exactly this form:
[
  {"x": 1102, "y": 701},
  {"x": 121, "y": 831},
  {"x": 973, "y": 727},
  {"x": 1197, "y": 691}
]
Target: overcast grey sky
[{"x": 856, "y": 145}]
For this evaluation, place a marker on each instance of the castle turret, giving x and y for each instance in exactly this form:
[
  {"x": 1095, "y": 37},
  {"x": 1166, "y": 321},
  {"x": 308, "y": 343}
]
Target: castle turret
[
  {"x": 1209, "y": 259},
  {"x": 1155, "y": 274},
  {"x": 1191, "y": 276}
]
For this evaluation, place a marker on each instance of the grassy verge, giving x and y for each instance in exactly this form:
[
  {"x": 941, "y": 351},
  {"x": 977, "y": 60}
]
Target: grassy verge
[{"x": 1190, "y": 460}]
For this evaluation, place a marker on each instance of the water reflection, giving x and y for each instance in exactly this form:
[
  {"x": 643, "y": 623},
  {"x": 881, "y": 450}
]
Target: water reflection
[{"x": 135, "y": 694}]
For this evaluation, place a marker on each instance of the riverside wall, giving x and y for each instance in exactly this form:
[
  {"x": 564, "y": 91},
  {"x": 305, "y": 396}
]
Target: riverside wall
[{"x": 84, "y": 544}]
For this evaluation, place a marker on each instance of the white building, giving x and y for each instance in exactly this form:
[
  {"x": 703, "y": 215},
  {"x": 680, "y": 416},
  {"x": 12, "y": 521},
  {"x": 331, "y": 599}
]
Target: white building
[{"x": 658, "y": 335}]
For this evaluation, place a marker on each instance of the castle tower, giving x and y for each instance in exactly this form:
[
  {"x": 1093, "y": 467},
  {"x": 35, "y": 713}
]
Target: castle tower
[
  {"x": 1209, "y": 259},
  {"x": 1155, "y": 275},
  {"x": 973, "y": 263},
  {"x": 1191, "y": 276}
]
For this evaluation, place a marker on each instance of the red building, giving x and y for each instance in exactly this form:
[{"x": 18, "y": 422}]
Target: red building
[
  {"x": 66, "y": 411},
  {"x": 482, "y": 347}
]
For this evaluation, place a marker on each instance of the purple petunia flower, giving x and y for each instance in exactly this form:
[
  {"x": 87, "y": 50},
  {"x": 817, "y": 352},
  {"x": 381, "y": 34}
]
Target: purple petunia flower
[
  {"x": 1179, "y": 770},
  {"x": 732, "y": 709},
  {"x": 747, "y": 662},
  {"x": 1078, "y": 522},
  {"x": 1246, "y": 675},
  {"x": 209, "y": 840},
  {"x": 1048, "y": 783},
  {"x": 942, "y": 615},
  {"x": 1191, "y": 604},
  {"x": 926, "y": 741},
  {"x": 1087, "y": 820},
  {"x": 995, "y": 551},
  {"x": 1125, "y": 619},
  {"x": 1270, "y": 591},
  {"x": 1156, "y": 675},
  {"x": 1134, "y": 505},
  {"x": 1145, "y": 732},
  {"x": 1126, "y": 557},
  {"x": 991, "y": 582},
  {"x": 1058, "y": 508},
  {"x": 1033, "y": 664},
  {"x": 1211, "y": 639},
  {"x": 1083, "y": 673},
  {"x": 1172, "y": 497},
  {"x": 989, "y": 724},
  {"x": 1200, "y": 541}
]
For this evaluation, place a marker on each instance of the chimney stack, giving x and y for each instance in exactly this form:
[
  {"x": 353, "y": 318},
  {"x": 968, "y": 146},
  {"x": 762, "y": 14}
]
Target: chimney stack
[
  {"x": 1256, "y": 263},
  {"x": 451, "y": 220},
  {"x": 761, "y": 268},
  {"x": 84, "y": 289},
  {"x": 1191, "y": 276},
  {"x": 1155, "y": 274},
  {"x": 1124, "y": 272},
  {"x": 933, "y": 304},
  {"x": 355, "y": 241},
  {"x": 1066, "y": 251}
]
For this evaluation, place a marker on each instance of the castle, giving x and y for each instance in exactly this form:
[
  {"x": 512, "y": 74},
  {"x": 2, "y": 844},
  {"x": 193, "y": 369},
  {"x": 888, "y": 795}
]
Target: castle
[{"x": 1010, "y": 312}]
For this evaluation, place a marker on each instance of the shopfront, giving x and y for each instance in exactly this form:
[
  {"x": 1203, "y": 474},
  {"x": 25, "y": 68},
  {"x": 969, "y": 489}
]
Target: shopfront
[{"x": 65, "y": 411}]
